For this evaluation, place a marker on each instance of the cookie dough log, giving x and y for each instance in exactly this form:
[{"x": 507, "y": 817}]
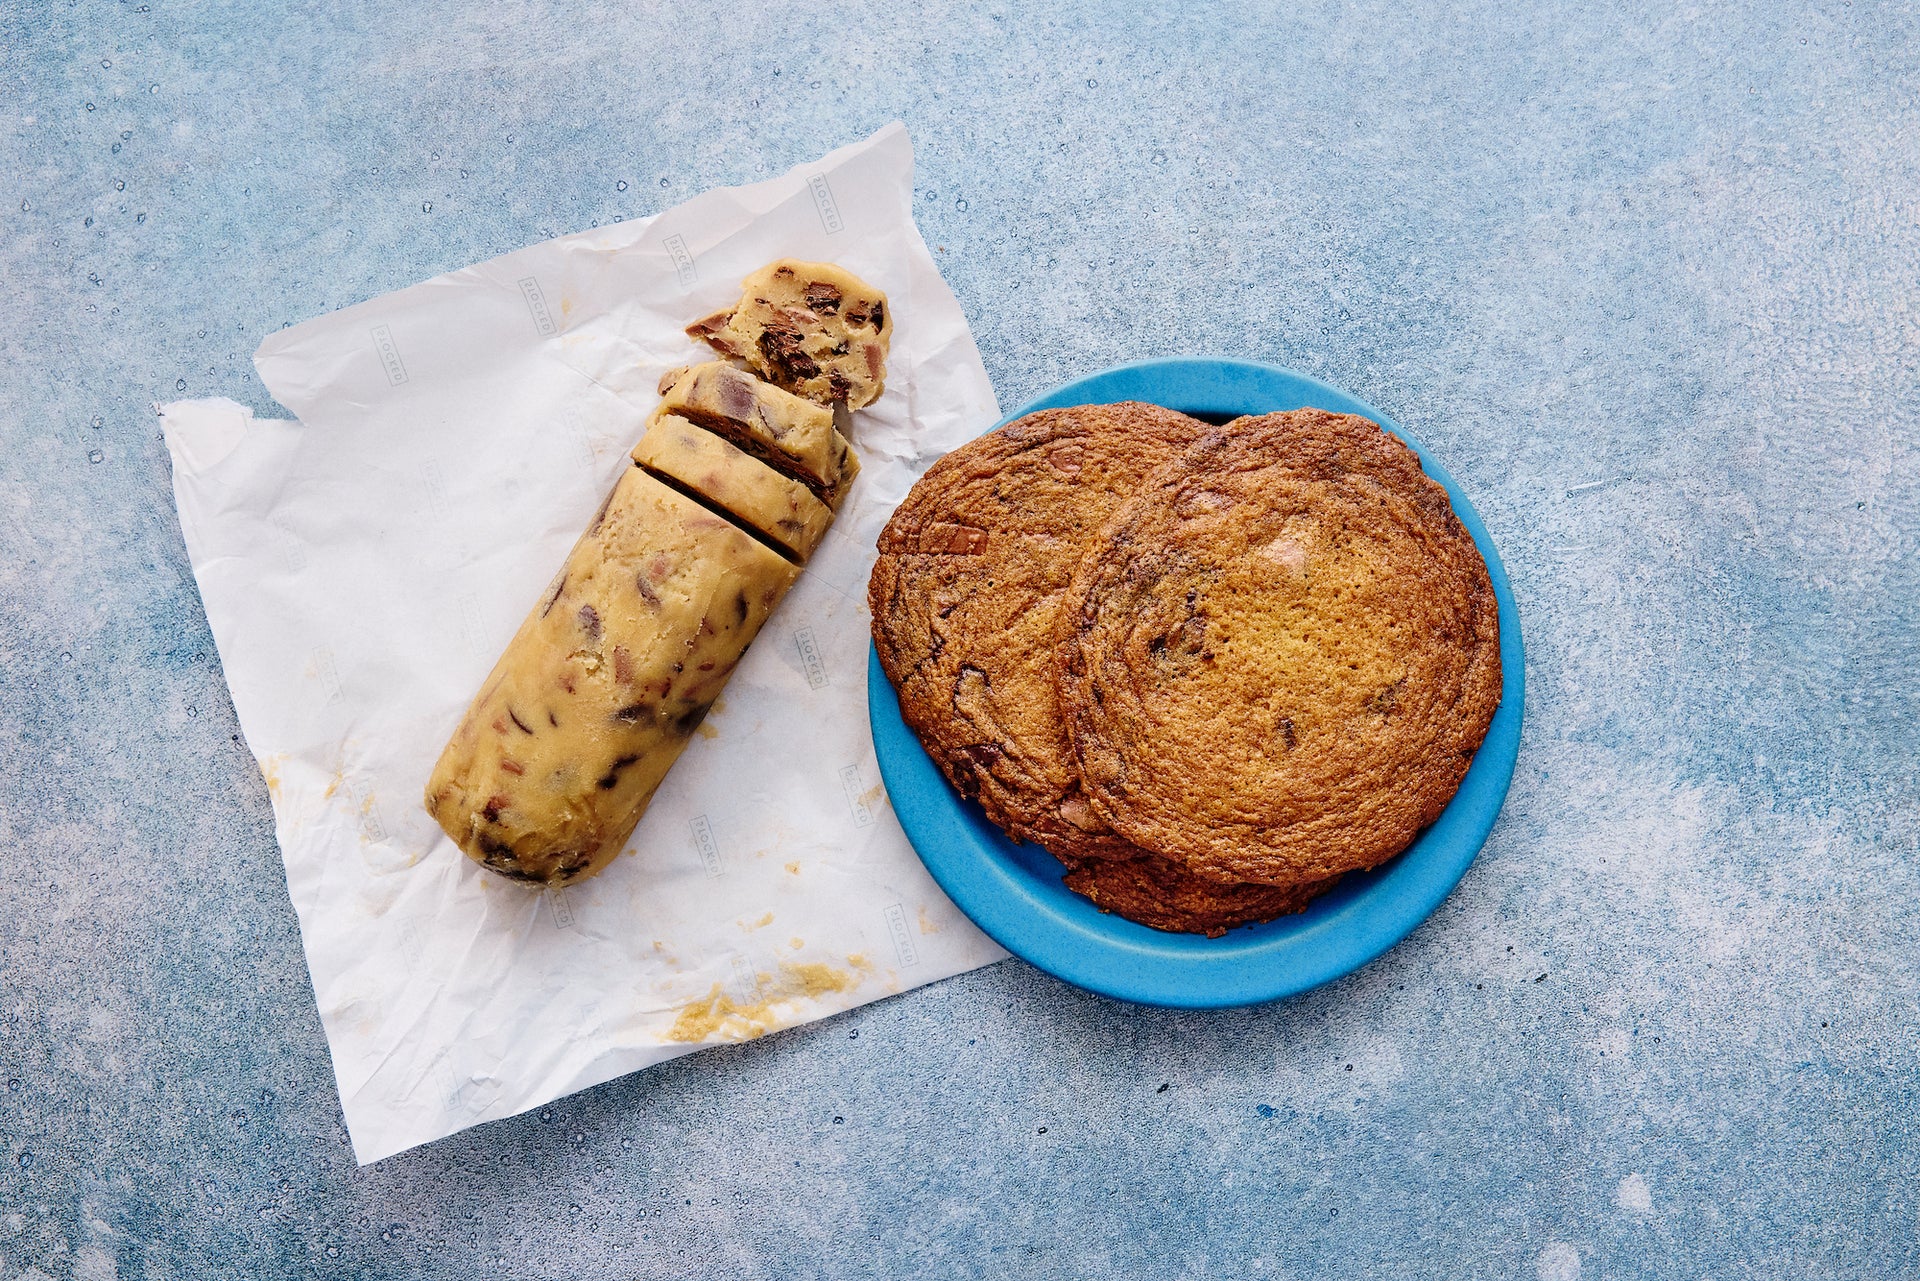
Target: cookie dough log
[
  {"x": 813, "y": 328},
  {"x": 792, "y": 435},
  {"x": 603, "y": 685},
  {"x": 755, "y": 495}
]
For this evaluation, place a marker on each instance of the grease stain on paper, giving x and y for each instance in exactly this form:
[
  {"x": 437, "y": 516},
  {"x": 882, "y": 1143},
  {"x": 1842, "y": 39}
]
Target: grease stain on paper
[
  {"x": 270, "y": 770},
  {"x": 718, "y": 1017}
]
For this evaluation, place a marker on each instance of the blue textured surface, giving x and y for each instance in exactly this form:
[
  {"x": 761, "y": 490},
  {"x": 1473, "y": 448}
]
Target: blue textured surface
[
  {"x": 1643, "y": 274},
  {"x": 1016, "y": 893}
]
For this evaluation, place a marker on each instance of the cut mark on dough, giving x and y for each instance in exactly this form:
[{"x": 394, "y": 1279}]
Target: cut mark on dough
[
  {"x": 735, "y": 433},
  {"x": 695, "y": 496}
]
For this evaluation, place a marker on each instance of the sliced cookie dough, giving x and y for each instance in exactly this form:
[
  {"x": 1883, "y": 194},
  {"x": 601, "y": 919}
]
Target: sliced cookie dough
[
  {"x": 814, "y": 328},
  {"x": 1279, "y": 657},
  {"x": 783, "y": 511},
  {"x": 734, "y": 484},
  {"x": 790, "y": 434},
  {"x": 604, "y": 683}
]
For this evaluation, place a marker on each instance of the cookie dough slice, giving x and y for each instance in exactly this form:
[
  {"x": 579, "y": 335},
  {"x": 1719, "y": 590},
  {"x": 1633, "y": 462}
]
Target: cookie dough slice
[
  {"x": 814, "y": 328},
  {"x": 759, "y": 498},
  {"x": 790, "y": 434},
  {"x": 1279, "y": 657},
  {"x": 606, "y": 680}
]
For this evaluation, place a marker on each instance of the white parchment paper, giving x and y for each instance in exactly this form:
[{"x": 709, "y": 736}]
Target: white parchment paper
[{"x": 362, "y": 569}]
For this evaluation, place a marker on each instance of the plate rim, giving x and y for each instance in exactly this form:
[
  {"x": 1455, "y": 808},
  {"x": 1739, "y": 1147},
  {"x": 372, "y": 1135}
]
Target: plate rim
[{"x": 1113, "y": 957}]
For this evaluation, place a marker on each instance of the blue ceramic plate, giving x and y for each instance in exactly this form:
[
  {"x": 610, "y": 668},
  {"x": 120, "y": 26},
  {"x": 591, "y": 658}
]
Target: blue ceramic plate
[{"x": 1014, "y": 892}]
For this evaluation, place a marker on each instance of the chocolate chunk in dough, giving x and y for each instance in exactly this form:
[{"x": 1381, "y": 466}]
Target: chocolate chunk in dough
[
  {"x": 794, "y": 436},
  {"x": 781, "y": 510},
  {"x": 597, "y": 693},
  {"x": 814, "y": 328}
]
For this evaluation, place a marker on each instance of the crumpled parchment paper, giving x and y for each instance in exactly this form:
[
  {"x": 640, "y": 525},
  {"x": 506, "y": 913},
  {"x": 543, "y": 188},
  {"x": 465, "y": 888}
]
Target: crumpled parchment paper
[{"x": 362, "y": 569}]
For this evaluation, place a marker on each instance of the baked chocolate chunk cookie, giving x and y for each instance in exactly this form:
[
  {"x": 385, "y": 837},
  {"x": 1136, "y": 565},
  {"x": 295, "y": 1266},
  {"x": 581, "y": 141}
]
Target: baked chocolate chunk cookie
[
  {"x": 1279, "y": 659},
  {"x": 965, "y": 597},
  {"x": 972, "y": 570},
  {"x": 813, "y": 328}
]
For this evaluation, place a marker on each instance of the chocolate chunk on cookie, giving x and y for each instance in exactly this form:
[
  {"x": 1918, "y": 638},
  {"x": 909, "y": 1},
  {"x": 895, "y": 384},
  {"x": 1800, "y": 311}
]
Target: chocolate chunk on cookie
[
  {"x": 1280, "y": 656},
  {"x": 813, "y": 328}
]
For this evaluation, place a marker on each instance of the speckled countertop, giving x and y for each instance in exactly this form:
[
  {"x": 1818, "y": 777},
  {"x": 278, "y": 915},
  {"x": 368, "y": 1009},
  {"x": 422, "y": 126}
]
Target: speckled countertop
[{"x": 1644, "y": 276}]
